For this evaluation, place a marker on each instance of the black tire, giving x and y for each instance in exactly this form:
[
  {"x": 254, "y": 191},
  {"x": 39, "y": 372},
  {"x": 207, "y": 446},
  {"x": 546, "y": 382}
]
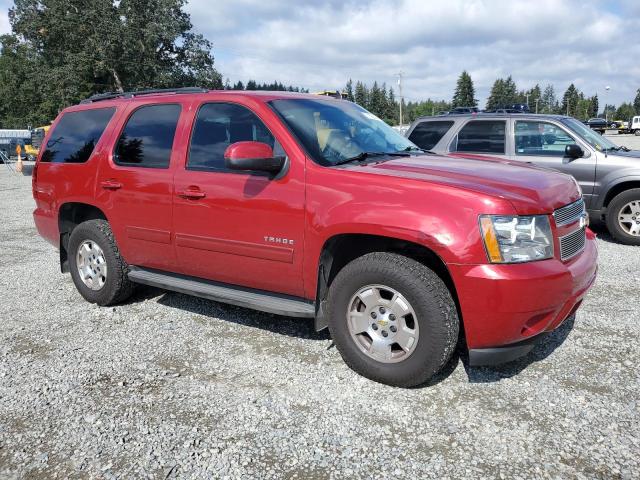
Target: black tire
[
  {"x": 428, "y": 295},
  {"x": 117, "y": 286},
  {"x": 614, "y": 210},
  {"x": 637, "y": 132}
]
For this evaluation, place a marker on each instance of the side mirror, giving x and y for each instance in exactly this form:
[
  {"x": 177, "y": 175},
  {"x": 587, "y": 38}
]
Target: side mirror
[
  {"x": 573, "y": 151},
  {"x": 252, "y": 156}
]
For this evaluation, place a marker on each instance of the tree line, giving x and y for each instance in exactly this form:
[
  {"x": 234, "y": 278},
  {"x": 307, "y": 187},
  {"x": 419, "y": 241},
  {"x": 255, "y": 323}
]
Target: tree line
[
  {"x": 272, "y": 87},
  {"x": 504, "y": 93}
]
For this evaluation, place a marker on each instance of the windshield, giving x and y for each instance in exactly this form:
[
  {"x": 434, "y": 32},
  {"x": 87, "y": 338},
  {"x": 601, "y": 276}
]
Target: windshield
[
  {"x": 594, "y": 139},
  {"x": 333, "y": 131}
]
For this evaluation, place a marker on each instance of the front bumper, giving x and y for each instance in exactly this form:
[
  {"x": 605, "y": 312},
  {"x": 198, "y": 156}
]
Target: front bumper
[{"x": 507, "y": 309}]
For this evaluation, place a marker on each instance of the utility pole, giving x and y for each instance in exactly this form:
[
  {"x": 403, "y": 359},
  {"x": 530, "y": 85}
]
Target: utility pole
[
  {"x": 527, "y": 95},
  {"x": 606, "y": 114},
  {"x": 400, "y": 92},
  {"x": 537, "y": 100}
]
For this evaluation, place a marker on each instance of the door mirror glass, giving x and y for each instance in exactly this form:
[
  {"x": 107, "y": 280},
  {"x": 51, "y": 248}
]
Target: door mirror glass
[
  {"x": 573, "y": 151},
  {"x": 252, "y": 156}
]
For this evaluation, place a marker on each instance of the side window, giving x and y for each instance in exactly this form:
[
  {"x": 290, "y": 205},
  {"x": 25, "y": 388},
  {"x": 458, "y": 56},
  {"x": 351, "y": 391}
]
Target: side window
[
  {"x": 75, "y": 136},
  {"x": 427, "y": 134},
  {"x": 481, "y": 136},
  {"x": 147, "y": 137},
  {"x": 217, "y": 126},
  {"x": 540, "y": 139}
]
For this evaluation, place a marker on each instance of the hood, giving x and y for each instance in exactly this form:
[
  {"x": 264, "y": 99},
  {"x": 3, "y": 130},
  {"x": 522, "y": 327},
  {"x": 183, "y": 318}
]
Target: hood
[
  {"x": 629, "y": 154},
  {"x": 531, "y": 190}
]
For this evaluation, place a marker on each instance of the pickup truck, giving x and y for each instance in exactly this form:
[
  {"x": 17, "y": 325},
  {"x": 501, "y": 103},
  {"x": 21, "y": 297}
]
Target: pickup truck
[{"x": 313, "y": 207}]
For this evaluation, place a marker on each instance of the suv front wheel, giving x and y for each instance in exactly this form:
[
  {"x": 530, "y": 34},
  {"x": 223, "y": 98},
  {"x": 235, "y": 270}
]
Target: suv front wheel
[
  {"x": 623, "y": 217},
  {"x": 98, "y": 271},
  {"x": 392, "y": 319}
]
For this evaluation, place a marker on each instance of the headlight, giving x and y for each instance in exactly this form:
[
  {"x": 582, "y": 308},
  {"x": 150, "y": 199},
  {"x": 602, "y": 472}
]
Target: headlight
[{"x": 514, "y": 239}]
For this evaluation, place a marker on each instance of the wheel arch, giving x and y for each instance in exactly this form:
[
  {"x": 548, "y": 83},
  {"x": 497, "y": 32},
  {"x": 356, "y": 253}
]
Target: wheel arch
[
  {"x": 618, "y": 188},
  {"x": 341, "y": 249},
  {"x": 70, "y": 215}
]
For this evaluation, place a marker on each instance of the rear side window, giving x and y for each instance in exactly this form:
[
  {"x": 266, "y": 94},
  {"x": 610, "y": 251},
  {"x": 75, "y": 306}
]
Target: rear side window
[
  {"x": 427, "y": 134},
  {"x": 481, "y": 136},
  {"x": 217, "y": 126},
  {"x": 75, "y": 136},
  {"x": 147, "y": 137}
]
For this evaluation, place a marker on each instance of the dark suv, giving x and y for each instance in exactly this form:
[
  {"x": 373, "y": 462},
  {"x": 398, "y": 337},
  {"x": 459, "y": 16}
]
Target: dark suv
[{"x": 609, "y": 175}]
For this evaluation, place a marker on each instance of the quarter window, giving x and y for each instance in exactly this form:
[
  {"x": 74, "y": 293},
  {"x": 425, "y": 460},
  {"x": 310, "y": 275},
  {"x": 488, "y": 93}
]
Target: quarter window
[
  {"x": 481, "y": 136},
  {"x": 427, "y": 134},
  {"x": 75, "y": 136},
  {"x": 147, "y": 138},
  {"x": 541, "y": 139},
  {"x": 217, "y": 126}
]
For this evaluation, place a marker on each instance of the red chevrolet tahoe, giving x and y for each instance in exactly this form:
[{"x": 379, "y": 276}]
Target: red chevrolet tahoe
[{"x": 312, "y": 207}]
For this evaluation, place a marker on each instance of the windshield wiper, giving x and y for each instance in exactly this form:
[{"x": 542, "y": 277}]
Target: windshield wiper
[
  {"x": 617, "y": 149},
  {"x": 364, "y": 155},
  {"x": 418, "y": 149}
]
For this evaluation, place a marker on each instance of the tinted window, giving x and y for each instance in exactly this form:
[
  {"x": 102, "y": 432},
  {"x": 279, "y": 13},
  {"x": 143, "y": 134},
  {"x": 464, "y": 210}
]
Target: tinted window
[
  {"x": 541, "y": 139},
  {"x": 481, "y": 137},
  {"x": 148, "y": 137},
  {"x": 76, "y": 134},
  {"x": 217, "y": 126},
  {"x": 427, "y": 134}
]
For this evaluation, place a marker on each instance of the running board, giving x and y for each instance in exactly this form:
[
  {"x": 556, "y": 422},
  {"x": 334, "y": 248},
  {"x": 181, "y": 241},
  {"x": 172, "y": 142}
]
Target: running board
[{"x": 243, "y": 297}]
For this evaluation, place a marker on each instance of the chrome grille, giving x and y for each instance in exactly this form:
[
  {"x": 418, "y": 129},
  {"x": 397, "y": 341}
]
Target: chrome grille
[
  {"x": 572, "y": 244},
  {"x": 569, "y": 213}
]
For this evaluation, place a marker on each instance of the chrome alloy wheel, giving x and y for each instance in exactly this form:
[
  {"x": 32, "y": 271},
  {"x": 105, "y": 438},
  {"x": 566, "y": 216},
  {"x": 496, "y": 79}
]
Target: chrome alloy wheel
[
  {"x": 629, "y": 218},
  {"x": 382, "y": 323},
  {"x": 92, "y": 266}
]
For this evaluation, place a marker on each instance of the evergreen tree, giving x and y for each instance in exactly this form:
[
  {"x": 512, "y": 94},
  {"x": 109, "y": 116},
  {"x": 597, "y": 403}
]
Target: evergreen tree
[
  {"x": 636, "y": 102},
  {"x": 510, "y": 92},
  {"x": 593, "y": 108},
  {"x": 361, "y": 95},
  {"x": 349, "y": 91},
  {"x": 393, "y": 113},
  {"x": 496, "y": 95},
  {"x": 570, "y": 100},
  {"x": 376, "y": 101},
  {"x": 238, "y": 85},
  {"x": 548, "y": 102},
  {"x": 464, "y": 95},
  {"x": 251, "y": 85}
]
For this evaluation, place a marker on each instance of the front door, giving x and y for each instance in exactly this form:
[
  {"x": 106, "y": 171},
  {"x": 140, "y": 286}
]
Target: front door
[
  {"x": 543, "y": 143},
  {"x": 135, "y": 186},
  {"x": 235, "y": 227}
]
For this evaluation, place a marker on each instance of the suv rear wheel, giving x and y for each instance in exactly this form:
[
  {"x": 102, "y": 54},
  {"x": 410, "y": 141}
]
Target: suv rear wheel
[
  {"x": 97, "y": 269},
  {"x": 623, "y": 217},
  {"x": 392, "y": 319}
]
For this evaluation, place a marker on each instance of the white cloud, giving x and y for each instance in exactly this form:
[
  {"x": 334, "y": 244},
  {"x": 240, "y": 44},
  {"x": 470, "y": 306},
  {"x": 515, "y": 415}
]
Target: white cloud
[
  {"x": 321, "y": 44},
  {"x": 5, "y": 27}
]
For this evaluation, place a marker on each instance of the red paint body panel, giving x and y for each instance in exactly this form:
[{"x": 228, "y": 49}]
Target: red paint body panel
[{"x": 268, "y": 233}]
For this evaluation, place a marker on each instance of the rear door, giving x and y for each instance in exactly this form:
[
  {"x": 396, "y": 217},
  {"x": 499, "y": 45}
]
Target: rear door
[
  {"x": 543, "y": 143},
  {"x": 135, "y": 184},
  {"x": 484, "y": 137},
  {"x": 237, "y": 227}
]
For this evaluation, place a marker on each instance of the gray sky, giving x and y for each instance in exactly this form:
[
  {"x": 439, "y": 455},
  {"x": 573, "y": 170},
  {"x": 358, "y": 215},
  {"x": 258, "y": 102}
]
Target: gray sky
[{"x": 318, "y": 45}]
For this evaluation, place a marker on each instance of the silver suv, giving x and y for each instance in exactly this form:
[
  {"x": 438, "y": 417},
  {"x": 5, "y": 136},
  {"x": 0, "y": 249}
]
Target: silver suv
[{"x": 608, "y": 174}]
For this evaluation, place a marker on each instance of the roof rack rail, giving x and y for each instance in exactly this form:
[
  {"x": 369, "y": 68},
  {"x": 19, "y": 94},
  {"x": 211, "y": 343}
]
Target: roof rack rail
[{"x": 110, "y": 95}]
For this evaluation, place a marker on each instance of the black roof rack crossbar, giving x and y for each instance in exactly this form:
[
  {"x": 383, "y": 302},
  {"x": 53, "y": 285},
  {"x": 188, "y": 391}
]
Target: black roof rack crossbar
[{"x": 109, "y": 95}]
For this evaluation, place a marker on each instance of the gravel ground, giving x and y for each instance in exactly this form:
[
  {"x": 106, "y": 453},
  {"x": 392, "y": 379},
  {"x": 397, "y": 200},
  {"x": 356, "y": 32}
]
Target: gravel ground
[{"x": 170, "y": 386}]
